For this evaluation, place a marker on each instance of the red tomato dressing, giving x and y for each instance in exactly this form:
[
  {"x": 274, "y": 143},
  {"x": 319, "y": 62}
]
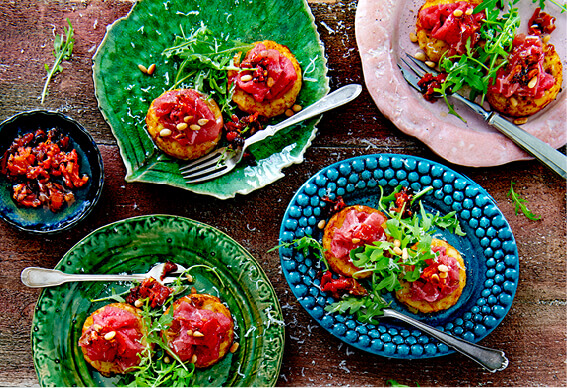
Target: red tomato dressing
[
  {"x": 34, "y": 161},
  {"x": 454, "y": 30}
]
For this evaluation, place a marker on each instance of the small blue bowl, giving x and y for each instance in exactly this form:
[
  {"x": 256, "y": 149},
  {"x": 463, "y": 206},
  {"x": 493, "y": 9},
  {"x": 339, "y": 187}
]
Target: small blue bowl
[{"x": 42, "y": 220}]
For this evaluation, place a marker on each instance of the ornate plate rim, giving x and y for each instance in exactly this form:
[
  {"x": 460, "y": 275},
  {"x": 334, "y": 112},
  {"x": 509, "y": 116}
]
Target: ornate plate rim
[
  {"x": 265, "y": 311},
  {"x": 389, "y": 339}
]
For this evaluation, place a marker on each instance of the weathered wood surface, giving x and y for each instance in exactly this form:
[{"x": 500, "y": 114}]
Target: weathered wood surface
[{"x": 533, "y": 334}]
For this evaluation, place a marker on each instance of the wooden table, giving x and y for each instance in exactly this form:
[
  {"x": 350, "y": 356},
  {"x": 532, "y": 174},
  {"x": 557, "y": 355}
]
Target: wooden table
[{"x": 532, "y": 334}]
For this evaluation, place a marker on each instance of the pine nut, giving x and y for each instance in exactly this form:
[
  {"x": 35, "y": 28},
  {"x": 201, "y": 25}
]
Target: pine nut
[
  {"x": 165, "y": 132},
  {"x": 513, "y": 101},
  {"x": 197, "y": 333},
  {"x": 143, "y": 69},
  {"x": 469, "y": 11},
  {"x": 420, "y": 56},
  {"x": 397, "y": 251},
  {"x": 443, "y": 268},
  {"x": 397, "y": 243},
  {"x": 97, "y": 327},
  {"x": 234, "y": 347},
  {"x": 270, "y": 82},
  {"x": 138, "y": 303},
  {"x": 405, "y": 254},
  {"x": 355, "y": 240},
  {"x": 296, "y": 108},
  {"x": 202, "y": 122},
  {"x": 532, "y": 82},
  {"x": 521, "y": 120},
  {"x": 195, "y": 127},
  {"x": 412, "y": 37},
  {"x": 187, "y": 118},
  {"x": 443, "y": 275},
  {"x": 321, "y": 224},
  {"x": 289, "y": 113},
  {"x": 189, "y": 278},
  {"x": 457, "y": 13},
  {"x": 194, "y": 359},
  {"x": 430, "y": 64},
  {"x": 546, "y": 39},
  {"x": 151, "y": 69},
  {"x": 167, "y": 360},
  {"x": 246, "y": 78},
  {"x": 182, "y": 126},
  {"x": 190, "y": 333},
  {"x": 110, "y": 335}
]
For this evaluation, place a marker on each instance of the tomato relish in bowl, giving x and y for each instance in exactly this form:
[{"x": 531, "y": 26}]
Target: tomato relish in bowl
[{"x": 51, "y": 172}]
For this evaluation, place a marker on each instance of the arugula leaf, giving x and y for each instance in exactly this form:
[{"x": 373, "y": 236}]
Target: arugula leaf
[
  {"x": 62, "y": 50},
  {"x": 205, "y": 61},
  {"x": 306, "y": 245},
  {"x": 520, "y": 204},
  {"x": 563, "y": 7}
]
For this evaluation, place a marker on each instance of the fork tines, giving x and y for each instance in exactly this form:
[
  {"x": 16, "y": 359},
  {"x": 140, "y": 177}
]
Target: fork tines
[
  {"x": 421, "y": 69},
  {"x": 204, "y": 162}
]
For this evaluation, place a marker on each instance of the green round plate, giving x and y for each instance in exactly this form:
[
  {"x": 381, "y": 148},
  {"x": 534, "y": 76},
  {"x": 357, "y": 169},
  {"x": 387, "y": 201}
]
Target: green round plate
[
  {"x": 134, "y": 245},
  {"x": 124, "y": 93}
]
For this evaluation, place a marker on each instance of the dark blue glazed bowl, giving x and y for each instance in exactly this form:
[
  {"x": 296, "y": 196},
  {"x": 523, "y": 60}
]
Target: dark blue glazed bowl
[
  {"x": 43, "y": 220},
  {"x": 488, "y": 249}
]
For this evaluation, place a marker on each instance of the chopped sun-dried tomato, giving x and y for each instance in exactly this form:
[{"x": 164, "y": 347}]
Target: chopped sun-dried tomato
[
  {"x": 33, "y": 160},
  {"x": 428, "y": 83},
  {"x": 541, "y": 23},
  {"x": 151, "y": 289},
  {"x": 335, "y": 205},
  {"x": 341, "y": 286},
  {"x": 403, "y": 201}
]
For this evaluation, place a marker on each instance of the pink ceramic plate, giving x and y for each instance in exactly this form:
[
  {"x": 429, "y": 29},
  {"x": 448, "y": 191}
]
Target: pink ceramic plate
[{"x": 382, "y": 35}]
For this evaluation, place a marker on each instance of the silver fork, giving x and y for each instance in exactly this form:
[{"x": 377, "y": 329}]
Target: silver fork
[
  {"x": 37, "y": 277},
  {"x": 492, "y": 360},
  {"x": 542, "y": 151},
  {"x": 221, "y": 161}
]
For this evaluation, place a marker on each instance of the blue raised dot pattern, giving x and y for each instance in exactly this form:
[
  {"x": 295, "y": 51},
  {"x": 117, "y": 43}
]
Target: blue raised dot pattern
[{"x": 487, "y": 301}]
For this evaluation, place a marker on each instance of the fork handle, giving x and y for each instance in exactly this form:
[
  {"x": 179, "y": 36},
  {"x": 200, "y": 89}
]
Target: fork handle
[
  {"x": 36, "y": 277},
  {"x": 491, "y": 359},
  {"x": 332, "y": 100},
  {"x": 542, "y": 151}
]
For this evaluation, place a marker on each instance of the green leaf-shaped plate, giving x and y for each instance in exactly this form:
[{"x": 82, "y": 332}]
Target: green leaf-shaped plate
[
  {"x": 134, "y": 245},
  {"x": 125, "y": 93}
]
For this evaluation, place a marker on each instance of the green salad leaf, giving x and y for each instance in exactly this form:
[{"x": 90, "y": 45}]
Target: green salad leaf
[
  {"x": 520, "y": 204},
  {"x": 203, "y": 61},
  {"x": 62, "y": 50}
]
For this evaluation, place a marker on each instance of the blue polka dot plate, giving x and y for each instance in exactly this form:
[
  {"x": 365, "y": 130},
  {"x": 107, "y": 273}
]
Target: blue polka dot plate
[{"x": 489, "y": 251}]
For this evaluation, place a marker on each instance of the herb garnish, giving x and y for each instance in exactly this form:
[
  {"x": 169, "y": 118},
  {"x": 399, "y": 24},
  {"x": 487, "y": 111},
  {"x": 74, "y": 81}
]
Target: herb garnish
[
  {"x": 479, "y": 65},
  {"x": 412, "y": 235},
  {"x": 62, "y": 50},
  {"x": 205, "y": 61},
  {"x": 520, "y": 204}
]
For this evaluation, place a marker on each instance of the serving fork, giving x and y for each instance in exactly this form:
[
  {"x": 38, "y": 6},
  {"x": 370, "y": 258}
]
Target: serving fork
[
  {"x": 542, "y": 151},
  {"x": 36, "y": 277},
  {"x": 223, "y": 160}
]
